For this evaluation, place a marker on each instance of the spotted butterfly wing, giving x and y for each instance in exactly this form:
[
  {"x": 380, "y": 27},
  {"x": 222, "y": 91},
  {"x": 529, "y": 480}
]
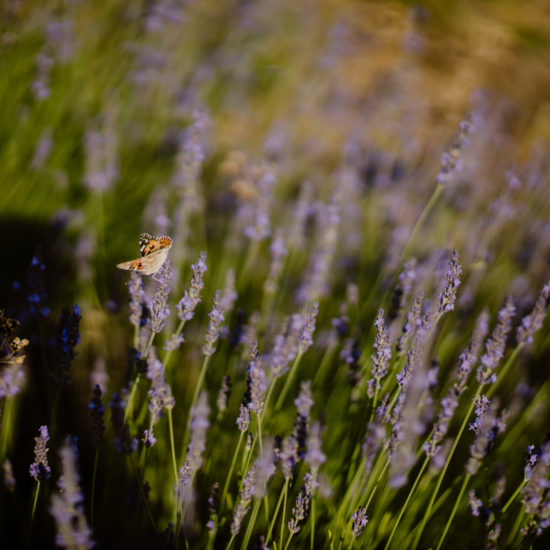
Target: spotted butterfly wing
[{"x": 154, "y": 251}]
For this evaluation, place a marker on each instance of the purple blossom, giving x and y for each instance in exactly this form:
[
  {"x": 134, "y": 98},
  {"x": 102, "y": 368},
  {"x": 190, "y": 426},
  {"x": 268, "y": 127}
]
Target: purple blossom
[
  {"x": 303, "y": 501},
  {"x": 246, "y": 496},
  {"x": 450, "y": 162},
  {"x": 257, "y": 382},
  {"x": 192, "y": 296},
  {"x": 224, "y": 393},
  {"x": 531, "y": 323},
  {"x": 40, "y": 469},
  {"x": 214, "y": 327},
  {"x": 137, "y": 298},
  {"x": 159, "y": 308},
  {"x": 382, "y": 355},
  {"x": 306, "y": 336},
  {"x": 475, "y": 503},
  {"x": 243, "y": 420},
  {"x": 160, "y": 394},
  {"x": 494, "y": 347},
  {"x": 67, "y": 506},
  {"x": 359, "y": 521},
  {"x": 448, "y": 296},
  {"x": 199, "y": 425}
]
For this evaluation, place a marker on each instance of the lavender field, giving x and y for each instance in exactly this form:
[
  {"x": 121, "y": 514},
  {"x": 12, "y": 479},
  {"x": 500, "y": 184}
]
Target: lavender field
[{"x": 275, "y": 275}]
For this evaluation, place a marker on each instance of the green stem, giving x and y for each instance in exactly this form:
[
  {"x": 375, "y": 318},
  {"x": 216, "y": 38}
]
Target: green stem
[
  {"x": 409, "y": 496},
  {"x": 94, "y": 477},
  {"x": 427, "y": 210},
  {"x": 453, "y": 512},
  {"x": 284, "y": 514},
  {"x": 446, "y": 465},
  {"x": 514, "y": 496},
  {"x": 312, "y": 530},
  {"x": 276, "y": 513},
  {"x": 173, "y": 447},
  {"x": 140, "y": 485},
  {"x": 288, "y": 381},
  {"x": 230, "y": 473},
  {"x": 251, "y": 523},
  {"x": 288, "y": 540},
  {"x": 35, "y": 501}
]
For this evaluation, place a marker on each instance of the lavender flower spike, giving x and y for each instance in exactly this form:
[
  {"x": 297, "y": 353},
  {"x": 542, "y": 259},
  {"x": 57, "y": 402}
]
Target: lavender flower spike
[
  {"x": 358, "y": 521},
  {"x": 192, "y": 297},
  {"x": 448, "y": 296},
  {"x": 494, "y": 348},
  {"x": 137, "y": 297},
  {"x": 533, "y": 322},
  {"x": 159, "y": 308},
  {"x": 213, "y": 332},
  {"x": 382, "y": 355},
  {"x": 160, "y": 394},
  {"x": 40, "y": 469},
  {"x": 67, "y": 506}
]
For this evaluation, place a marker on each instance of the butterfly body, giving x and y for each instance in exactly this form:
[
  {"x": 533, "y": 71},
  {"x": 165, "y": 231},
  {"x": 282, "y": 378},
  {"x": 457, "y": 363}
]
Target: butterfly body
[{"x": 154, "y": 251}]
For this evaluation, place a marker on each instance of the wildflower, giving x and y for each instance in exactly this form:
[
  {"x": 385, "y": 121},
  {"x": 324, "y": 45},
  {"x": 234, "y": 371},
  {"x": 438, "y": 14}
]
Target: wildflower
[
  {"x": 265, "y": 468},
  {"x": 448, "y": 296},
  {"x": 316, "y": 283},
  {"x": 160, "y": 393},
  {"x": 101, "y": 170},
  {"x": 450, "y": 162},
  {"x": 229, "y": 295},
  {"x": 382, "y": 355},
  {"x": 159, "y": 308},
  {"x": 149, "y": 438},
  {"x": 213, "y": 506},
  {"x": 376, "y": 434},
  {"x": 97, "y": 412},
  {"x": 359, "y": 521},
  {"x": 137, "y": 298},
  {"x": 192, "y": 296},
  {"x": 494, "y": 347},
  {"x": 449, "y": 404},
  {"x": 9, "y": 478},
  {"x": 413, "y": 319},
  {"x": 535, "y": 494},
  {"x": 404, "y": 287},
  {"x": 306, "y": 335},
  {"x": 475, "y": 503},
  {"x": 303, "y": 501},
  {"x": 40, "y": 469},
  {"x": 303, "y": 404},
  {"x": 246, "y": 496},
  {"x": 123, "y": 442},
  {"x": 485, "y": 426},
  {"x": 259, "y": 229},
  {"x": 278, "y": 252},
  {"x": 224, "y": 394},
  {"x": 213, "y": 332},
  {"x": 199, "y": 425},
  {"x": 68, "y": 506},
  {"x": 314, "y": 457},
  {"x": 288, "y": 456},
  {"x": 68, "y": 337},
  {"x": 531, "y": 323},
  {"x": 243, "y": 420},
  {"x": 257, "y": 382}
]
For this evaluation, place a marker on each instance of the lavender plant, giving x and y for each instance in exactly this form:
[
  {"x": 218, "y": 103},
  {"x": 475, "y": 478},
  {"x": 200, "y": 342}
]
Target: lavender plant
[{"x": 372, "y": 364}]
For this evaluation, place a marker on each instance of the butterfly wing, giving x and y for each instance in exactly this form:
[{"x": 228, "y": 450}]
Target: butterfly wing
[
  {"x": 149, "y": 244},
  {"x": 148, "y": 265}
]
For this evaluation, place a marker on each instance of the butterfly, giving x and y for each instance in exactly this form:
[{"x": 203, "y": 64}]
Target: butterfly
[{"x": 154, "y": 251}]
